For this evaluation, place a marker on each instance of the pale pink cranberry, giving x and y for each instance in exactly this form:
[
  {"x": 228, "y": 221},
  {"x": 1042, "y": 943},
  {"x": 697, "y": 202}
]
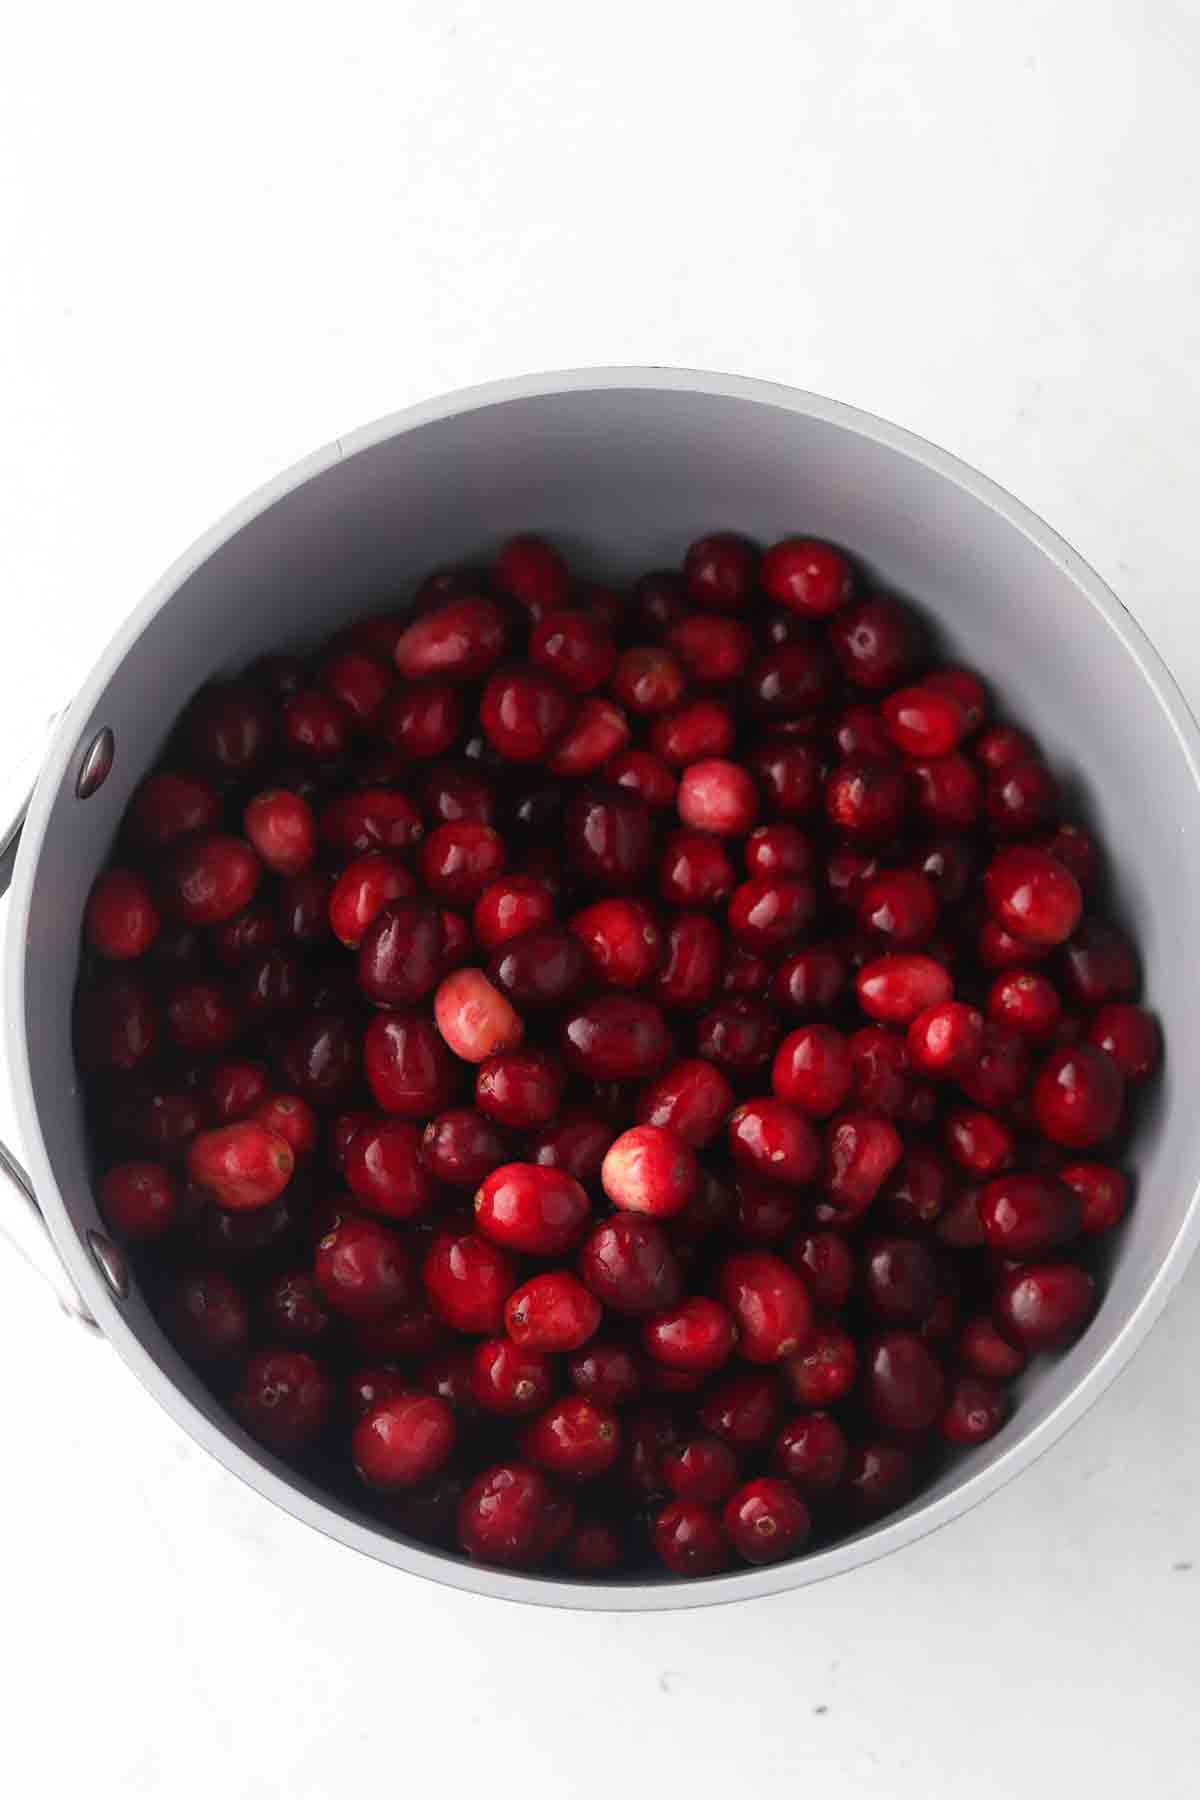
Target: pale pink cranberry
[
  {"x": 474, "y": 1018},
  {"x": 717, "y": 796}
]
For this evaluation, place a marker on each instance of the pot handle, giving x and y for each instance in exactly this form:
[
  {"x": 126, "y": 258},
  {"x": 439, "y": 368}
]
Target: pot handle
[{"x": 22, "y": 1222}]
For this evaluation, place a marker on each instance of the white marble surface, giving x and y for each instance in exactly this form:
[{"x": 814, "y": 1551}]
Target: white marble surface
[{"x": 226, "y": 234}]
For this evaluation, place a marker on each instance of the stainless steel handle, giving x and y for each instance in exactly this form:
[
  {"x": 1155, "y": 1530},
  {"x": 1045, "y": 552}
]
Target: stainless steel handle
[{"x": 24, "y": 1226}]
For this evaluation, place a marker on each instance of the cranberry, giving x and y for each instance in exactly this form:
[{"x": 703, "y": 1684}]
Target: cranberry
[
  {"x": 607, "y": 835},
  {"x": 138, "y": 1200},
  {"x": 905, "y": 1388},
  {"x": 984, "y": 1352},
  {"x": 122, "y": 920},
  {"x": 861, "y": 1151},
  {"x": 1099, "y": 964},
  {"x": 946, "y": 792},
  {"x": 360, "y": 684},
  {"x": 501, "y": 1514},
  {"x": 1032, "y": 896},
  {"x": 766, "y": 1520},
  {"x": 690, "y": 1541},
  {"x": 896, "y": 989},
  {"x": 370, "y": 818},
  {"x": 509, "y": 1380},
  {"x": 650, "y": 1170},
  {"x": 457, "y": 642},
  {"x": 901, "y": 1280},
  {"x": 807, "y": 576},
  {"x": 643, "y": 774},
  {"x": 608, "y": 1373},
  {"x": 945, "y": 1038},
  {"x": 519, "y": 1088},
  {"x": 199, "y": 1016},
  {"x": 769, "y": 1304},
  {"x": 623, "y": 941},
  {"x": 691, "y": 961},
  {"x": 530, "y": 1208},
  {"x": 812, "y": 1070},
  {"x": 362, "y": 1270},
  {"x": 209, "y": 879},
  {"x": 865, "y": 797},
  {"x": 573, "y": 1438},
  {"x": 510, "y": 907},
  {"x": 810, "y": 980},
  {"x": 880, "y": 1071},
  {"x": 575, "y": 648},
  {"x": 235, "y": 1089},
  {"x": 975, "y": 1411},
  {"x": 771, "y": 1138},
  {"x": 720, "y": 571},
  {"x": 408, "y": 1067},
  {"x": 1078, "y": 1096},
  {"x": 789, "y": 776},
  {"x": 460, "y": 1147},
  {"x": 718, "y": 797},
  {"x": 1040, "y": 1306},
  {"x": 697, "y": 1335},
  {"x": 628, "y": 1264},
  {"x": 924, "y": 721},
  {"x": 789, "y": 683},
  {"x": 281, "y": 827},
  {"x": 958, "y": 1225},
  {"x": 320, "y": 1059},
  {"x": 244, "y": 1165},
  {"x": 998, "y": 1075},
  {"x": 210, "y": 1316},
  {"x": 474, "y": 1017},
  {"x": 745, "y": 974},
  {"x": 824, "y": 1370},
  {"x": 383, "y": 1168},
  {"x": 767, "y": 913},
  {"x": 874, "y": 641},
  {"x": 293, "y": 1309},
  {"x": 314, "y": 725},
  {"x": 552, "y": 1312},
  {"x": 468, "y": 1281},
  {"x": 978, "y": 1141},
  {"x": 879, "y": 1478},
  {"x": 598, "y": 731},
  {"x": 738, "y": 1036},
  {"x": 167, "y": 807},
  {"x": 544, "y": 967},
  {"x": 691, "y": 1100},
  {"x": 1019, "y": 797},
  {"x": 901, "y": 904},
  {"x": 616, "y": 1038},
  {"x": 711, "y": 650},
  {"x": 402, "y": 1440},
  {"x": 304, "y": 908},
  {"x": 368, "y": 1386},
  {"x": 227, "y": 728},
  {"x": 919, "y": 1190},
  {"x": 1026, "y": 1002},
  {"x": 1103, "y": 1195},
  {"x": 700, "y": 1470},
  {"x": 811, "y": 1451},
  {"x": 1130, "y": 1036},
  {"x": 692, "y": 733},
  {"x": 400, "y": 956},
  {"x": 284, "y": 1399},
  {"x": 695, "y": 871},
  {"x": 454, "y": 794}
]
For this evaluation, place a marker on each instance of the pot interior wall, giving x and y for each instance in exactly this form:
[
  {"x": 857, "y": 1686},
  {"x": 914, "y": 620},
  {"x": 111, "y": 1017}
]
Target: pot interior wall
[{"x": 623, "y": 479}]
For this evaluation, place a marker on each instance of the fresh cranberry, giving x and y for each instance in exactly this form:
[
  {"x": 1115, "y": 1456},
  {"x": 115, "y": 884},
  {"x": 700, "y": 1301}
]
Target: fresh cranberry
[
  {"x": 321, "y": 1059},
  {"x": 917, "y": 1193},
  {"x": 369, "y": 818},
  {"x": 811, "y": 1451},
  {"x": 874, "y": 641},
  {"x": 788, "y": 684},
  {"x": 616, "y": 1038},
  {"x": 573, "y": 1438},
  {"x": 718, "y": 797},
  {"x": 529, "y": 1208},
  {"x": 628, "y": 1264},
  {"x": 501, "y": 1514},
  {"x": 314, "y": 725},
  {"x": 810, "y": 980},
  {"x": 208, "y": 879},
  {"x": 711, "y": 650},
  {"x": 244, "y": 1165},
  {"x": 138, "y": 1200},
  {"x": 520, "y": 1089},
  {"x": 997, "y": 1077},
  {"x": 700, "y": 1470},
  {"x": 281, "y": 827},
  {"x": 769, "y": 912},
  {"x": 474, "y": 1018},
  {"x": 607, "y": 1373},
  {"x": 210, "y": 1316},
  {"x": 1099, "y": 964},
  {"x": 924, "y": 721},
  {"x": 865, "y": 797},
  {"x": 1019, "y": 798},
  {"x": 400, "y": 956},
  {"x": 720, "y": 571},
  {"x": 1041, "y": 1306},
  {"x": 408, "y": 1067},
  {"x": 597, "y": 732},
  {"x": 901, "y": 1280},
  {"x": 235, "y": 1089},
  {"x": 402, "y": 1440},
  {"x": 880, "y": 1071},
  {"x": 199, "y": 1016},
  {"x": 293, "y": 1309},
  {"x": 643, "y": 774},
  {"x": 362, "y": 1269},
  {"x": 978, "y": 1141},
  {"x": 454, "y": 793},
  {"x": 975, "y": 1411},
  {"x": 593, "y": 1547},
  {"x": 691, "y": 961},
  {"x": 692, "y": 1099},
  {"x": 552, "y": 1312},
  {"x": 812, "y": 1070},
  {"x": 227, "y": 728},
  {"x": 739, "y": 1036},
  {"x": 415, "y": 1331},
  {"x": 771, "y": 1138},
  {"x": 509, "y": 1380},
  {"x": 1078, "y": 1097},
  {"x": 900, "y": 904},
  {"x": 1032, "y": 896},
  {"x": 622, "y": 939},
  {"x": 359, "y": 683},
  {"x": 984, "y": 1352},
  {"x": 383, "y": 1168},
  {"x": 697, "y": 1335},
  {"x": 607, "y": 836},
  {"x": 745, "y": 974},
  {"x": 460, "y": 1147},
  {"x": 509, "y": 907},
  {"x": 807, "y": 576},
  {"x": 766, "y": 1520},
  {"x": 690, "y": 1541},
  {"x": 284, "y": 1399},
  {"x": 823, "y": 1370},
  {"x": 468, "y": 1281},
  {"x": 1103, "y": 1195},
  {"x": 457, "y": 642},
  {"x": 905, "y": 1388},
  {"x": 945, "y": 1038},
  {"x": 769, "y": 1303},
  {"x": 368, "y": 1386},
  {"x": 946, "y": 792},
  {"x": 650, "y": 1170},
  {"x": 1130, "y": 1036},
  {"x": 544, "y": 967},
  {"x": 861, "y": 1151},
  {"x": 691, "y": 733},
  {"x": 879, "y": 1478},
  {"x": 895, "y": 989},
  {"x": 695, "y": 870},
  {"x": 167, "y": 807},
  {"x": 122, "y": 919},
  {"x": 789, "y": 776},
  {"x": 1026, "y": 1002}
]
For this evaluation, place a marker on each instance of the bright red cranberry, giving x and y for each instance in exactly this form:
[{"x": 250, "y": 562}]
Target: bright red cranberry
[
  {"x": 811, "y": 1451},
  {"x": 695, "y": 870},
  {"x": 984, "y": 1352},
  {"x": 812, "y": 1070},
  {"x": 501, "y": 1515},
  {"x": 1078, "y": 1097},
  {"x": 691, "y": 962},
  {"x": 607, "y": 836},
  {"x": 1103, "y": 1195},
  {"x": 169, "y": 806},
  {"x": 402, "y": 1440},
  {"x": 769, "y": 1303},
  {"x": 244, "y": 1165},
  {"x": 1040, "y": 1306},
  {"x": 510, "y": 907},
  {"x": 457, "y": 642},
  {"x": 369, "y": 818},
  {"x": 823, "y": 1370},
  {"x": 608, "y": 1373},
  {"x": 690, "y": 1541},
  {"x": 573, "y": 1438},
  {"x": 701, "y": 1470},
  {"x": 552, "y": 1312},
  {"x": 807, "y": 576},
  {"x": 643, "y": 774},
  {"x": 460, "y": 1147},
  {"x": 711, "y": 650},
  {"x": 691, "y": 733},
  {"x": 122, "y": 919},
  {"x": 598, "y": 731},
  {"x": 1019, "y": 798},
  {"x": 628, "y": 1264},
  {"x": 1032, "y": 896},
  {"x": 866, "y": 798},
  {"x": 519, "y": 1088},
  {"x": 766, "y": 1520},
  {"x": 616, "y": 1038},
  {"x": 1130, "y": 1036},
  {"x": 459, "y": 861},
  {"x": 778, "y": 850},
  {"x": 946, "y": 792},
  {"x": 901, "y": 1280},
  {"x": 650, "y": 1170},
  {"x": 770, "y": 1137},
  {"x": 362, "y": 1269},
  {"x": 138, "y": 1200},
  {"x": 400, "y": 956},
  {"x": 209, "y": 879},
  {"x": 529, "y": 1208},
  {"x": 880, "y": 1071},
  {"x": 975, "y": 1411},
  {"x": 692, "y": 1100},
  {"x": 474, "y": 1018},
  {"x": 905, "y": 1388},
  {"x": 284, "y": 1399},
  {"x": 965, "y": 688},
  {"x": 978, "y": 1141},
  {"x": 383, "y": 1167},
  {"x": 924, "y": 721},
  {"x": 945, "y": 1038},
  {"x": 896, "y": 988},
  {"x": 720, "y": 571},
  {"x": 861, "y": 1151},
  {"x": 697, "y": 1336},
  {"x": 622, "y": 939},
  {"x": 1025, "y": 1002},
  {"x": 468, "y": 1281}
]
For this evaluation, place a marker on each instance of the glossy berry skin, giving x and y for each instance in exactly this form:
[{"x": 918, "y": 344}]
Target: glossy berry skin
[
  {"x": 1099, "y": 964},
  {"x": 769, "y": 1304},
  {"x": 901, "y": 1280},
  {"x": 244, "y": 1165},
  {"x": 645, "y": 775},
  {"x": 364, "y": 887},
  {"x": 460, "y": 1147},
  {"x": 900, "y": 904},
  {"x": 811, "y": 1451},
  {"x": 208, "y": 879},
  {"x": 924, "y": 721},
  {"x": 1130, "y": 1036},
  {"x": 122, "y": 920},
  {"x": 691, "y": 1099},
  {"x": 978, "y": 1141},
  {"x": 689, "y": 1540},
  {"x": 1078, "y": 1097},
  {"x": 608, "y": 837},
  {"x": 531, "y": 1209},
  {"x": 904, "y": 1385},
  {"x": 383, "y": 1168},
  {"x": 810, "y": 980},
  {"x": 460, "y": 641},
  {"x": 718, "y": 797},
  {"x": 468, "y": 1281},
  {"x": 812, "y": 1070},
  {"x": 823, "y": 1371},
  {"x": 616, "y": 1038},
  {"x": 879, "y": 1478},
  {"x": 701, "y": 1470},
  {"x": 138, "y": 1200},
  {"x": 545, "y": 967},
  {"x": 519, "y": 1089},
  {"x": 1103, "y": 1195},
  {"x": 738, "y": 1035},
  {"x": 1032, "y": 896},
  {"x": 573, "y": 1439},
  {"x": 694, "y": 871},
  {"x": 807, "y": 577},
  {"x": 861, "y": 1150},
  {"x": 281, "y": 827},
  {"x": 598, "y": 731},
  {"x": 169, "y": 806},
  {"x": 975, "y": 1411},
  {"x": 711, "y": 650},
  {"x": 422, "y": 720},
  {"x": 1026, "y": 1215},
  {"x": 692, "y": 732},
  {"x": 533, "y": 573},
  {"x": 651, "y": 1171},
  {"x": 984, "y": 1352},
  {"x": 509, "y": 1380},
  {"x": 501, "y": 1515},
  {"x": 628, "y": 1264},
  {"x": 896, "y": 989},
  {"x": 866, "y": 798},
  {"x": 510, "y": 907},
  {"x": 769, "y": 912},
  {"x": 945, "y": 1038},
  {"x": 720, "y": 572},
  {"x": 368, "y": 819},
  {"x": 459, "y": 861},
  {"x": 407, "y": 1064},
  {"x": 766, "y": 1520},
  {"x": 1019, "y": 798},
  {"x": 284, "y": 1399},
  {"x": 697, "y": 1336},
  {"x": 1040, "y": 1306},
  {"x": 552, "y": 1313},
  {"x": 293, "y": 1311},
  {"x": 362, "y": 1270},
  {"x": 475, "y": 1019},
  {"x": 400, "y": 956},
  {"x": 1025, "y": 1001},
  {"x": 402, "y": 1440},
  {"x": 771, "y": 1138},
  {"x": 691, "y": 962},
  {"x": 622, "y": 939}
]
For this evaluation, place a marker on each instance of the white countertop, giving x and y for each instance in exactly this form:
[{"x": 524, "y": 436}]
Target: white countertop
[{"x": 231, "y": 232}]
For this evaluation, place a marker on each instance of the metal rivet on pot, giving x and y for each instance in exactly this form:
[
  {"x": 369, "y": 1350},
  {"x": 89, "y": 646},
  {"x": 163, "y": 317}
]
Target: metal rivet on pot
[
  {"x": 111, "y": 1263},
  {"x": 97, "y": 761}
]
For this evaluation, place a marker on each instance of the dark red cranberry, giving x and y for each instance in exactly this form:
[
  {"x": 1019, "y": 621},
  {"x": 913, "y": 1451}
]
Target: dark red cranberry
[
  {"x": 874, "y": 641},
  {"x": 1099, "y": 964},
  {"x": 359, "y": 683},
  {"x": 905, "y": 1388},
  {"x": 522, "y": 713},
  {"x": 321, "y": 1059},
  {"x": 1040, "y": 1306},
  {"x": 415, "y": 1331},
  {"x": 573, "y": 1438},
  {"x": 501, "y": 1514},
  {"x": 200, "y": 1017},
  {"x": 210, "y": 1316},
  {"x": 167, "y": 807},
  {"x": 901, "y": 905},
  {"x": 901, "y": 1280},
  {"x": 691, "y": 961},
  {"x": 861, "y": 1151},
  {"x": 924, "y": 721},
  {"x": 368, "y": 1386},
  {"x": 700, "y": 1470},
  {"x": 643, "y": 774},
  {"x": 598, "y": 731},
  {"x": 766, "y": 1520},
  {"x": 1078, "y": 1096},
  {"x": 920, "y": 1189},
  {"x": 593, "y": 1548},
  {"x": 552, "y": 1312},
  {"x": 122, "y": 920},
  {"x": 468, "y": 1281},
  {"x": 811, "y": 1451},
  {"x": 509, "y": 1380},
  {"x": 1130, "y": 1036},
  {"x": 810, "y": 980},
  {"x": 1025, "y": 1002},
  {"x": 866, "y": 797},
  {"x": 742, "y": 1409},
  {"x": 407, "y": 1065},
  {"x": 616, "y": 1038},
  {"x": 880, "y": 1071},
  {"x": 789, "y": 777},
  {"x": 744, "y": 974},
  {"x": 138, "y": 1200},
  {"x": 739, "y": 1036},
  {"x": 520, "y": 1089},
  {"x": 208, "y": 879},
  {"x": 789, "y": 683},
  {"x": 695, "y": 870},
  {"x": 383, "y": 1167},
  {"x": 824, "y": 1369},
  {"x": 460, "y": 1147},
  {"x": 720, "y": 571},
  {"x": 370, "y": 818},
  {"x": 314, "y": 725},
  {"x": 1019, "y": 798},
  {"x": 975, "y": 1411},
  {"x": 984, "y": 1352},
  {"x": 293, "y": 1310},
  {"x": 1075, "y": 850},
  {"x": 711, "y": 650},
  {"x": 769, "y": 1303},
  {"x": 997, "y": 1077},
  {"x": 362, "y": 1269},
  {"x": 607, "y": 835},
  {"x": 879, "y": 1478},
  {"x": 235, "y": 1089},
  {"x": 284, "y": 1399},
  {"x": 1103, "y": 1195},
  {"x": 227, "y": 728},
  {"x": 826, "y": 1265},
  {"x": 628, "y": 1264},
  {"x": 769, "y": 912},
  {"x": 946, "y": 792},
  {"x": 690, "y": 1541},
  {"x": 457, "y": 642},
  {"x": 400, "y": 957}
]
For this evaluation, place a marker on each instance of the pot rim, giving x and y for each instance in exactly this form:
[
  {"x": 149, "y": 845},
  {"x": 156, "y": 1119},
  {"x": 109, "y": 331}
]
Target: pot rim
[{"x": 270, "y": 1479}]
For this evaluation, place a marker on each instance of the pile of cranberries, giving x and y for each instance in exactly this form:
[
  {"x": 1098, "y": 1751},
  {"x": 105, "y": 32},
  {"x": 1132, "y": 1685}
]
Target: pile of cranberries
[{"x": 609, "y": 1078}]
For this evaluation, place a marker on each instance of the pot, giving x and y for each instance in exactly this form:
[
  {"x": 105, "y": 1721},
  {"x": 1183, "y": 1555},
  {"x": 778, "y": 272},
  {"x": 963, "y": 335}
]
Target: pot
[{"x": 623, "y": 468}]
